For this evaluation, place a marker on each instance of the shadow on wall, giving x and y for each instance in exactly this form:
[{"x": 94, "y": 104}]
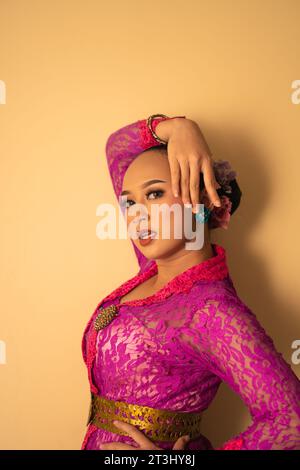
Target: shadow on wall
[{"x": 227, "y": 416}]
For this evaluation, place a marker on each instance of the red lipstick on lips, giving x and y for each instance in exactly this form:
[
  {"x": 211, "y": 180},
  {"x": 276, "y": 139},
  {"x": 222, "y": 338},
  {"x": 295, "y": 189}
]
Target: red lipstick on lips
[{"x": 148, "y": 238}]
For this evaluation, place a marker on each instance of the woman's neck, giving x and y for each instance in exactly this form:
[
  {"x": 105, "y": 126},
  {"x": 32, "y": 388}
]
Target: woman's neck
[{"x": 168, "y": 268}]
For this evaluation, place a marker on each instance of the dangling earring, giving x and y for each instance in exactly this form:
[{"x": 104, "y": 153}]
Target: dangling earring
[{"x": 202, "y": 218}]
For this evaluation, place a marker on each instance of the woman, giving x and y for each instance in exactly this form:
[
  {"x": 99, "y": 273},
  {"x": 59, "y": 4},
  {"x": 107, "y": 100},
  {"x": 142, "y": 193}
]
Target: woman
[{"x": 158, "y": 347}]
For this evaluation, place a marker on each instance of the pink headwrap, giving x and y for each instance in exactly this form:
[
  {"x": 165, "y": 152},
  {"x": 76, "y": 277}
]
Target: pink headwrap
[{"x": 125, "y": 144}]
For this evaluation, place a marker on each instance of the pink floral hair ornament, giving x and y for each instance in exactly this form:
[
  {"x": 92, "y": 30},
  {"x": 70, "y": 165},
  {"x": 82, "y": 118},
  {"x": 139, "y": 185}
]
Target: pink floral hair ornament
[
  {"x": 229, "y": 193},
  {"x": 126, "y": 143}
]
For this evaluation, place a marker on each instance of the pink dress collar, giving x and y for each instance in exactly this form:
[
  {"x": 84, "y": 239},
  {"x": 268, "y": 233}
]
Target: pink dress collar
[{"x": 212, "y": 269}]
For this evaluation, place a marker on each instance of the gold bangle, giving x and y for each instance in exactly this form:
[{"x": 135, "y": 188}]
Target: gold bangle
[{"x": 149, "y": 124}]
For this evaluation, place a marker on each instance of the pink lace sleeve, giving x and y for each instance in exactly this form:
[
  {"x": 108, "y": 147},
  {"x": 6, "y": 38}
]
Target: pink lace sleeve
[
  {"x": 129, "y": 141},
  {"x": 230, "y": 341},
  {"x": 147, "y": 138}
]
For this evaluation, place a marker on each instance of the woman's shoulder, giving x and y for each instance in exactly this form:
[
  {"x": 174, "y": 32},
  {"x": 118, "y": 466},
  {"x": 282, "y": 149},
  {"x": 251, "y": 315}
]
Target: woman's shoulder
[
  {"x": 222, "y": 289},
  {"x": 219, "y": 301}
]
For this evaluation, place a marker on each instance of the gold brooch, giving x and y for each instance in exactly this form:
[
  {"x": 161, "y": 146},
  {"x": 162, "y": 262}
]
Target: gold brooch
[{"x": 105, "y": 316}]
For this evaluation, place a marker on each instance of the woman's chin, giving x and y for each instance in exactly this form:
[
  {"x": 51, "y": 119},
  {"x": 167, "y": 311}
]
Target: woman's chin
[
  {"x": 150, "y": 249},
  {"x": 158, "y": 248},
  {"x": 147, "y": 246}
]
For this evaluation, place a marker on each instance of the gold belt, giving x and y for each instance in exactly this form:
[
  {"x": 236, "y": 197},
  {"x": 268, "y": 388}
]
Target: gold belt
[{"x": 161, "y": 425}]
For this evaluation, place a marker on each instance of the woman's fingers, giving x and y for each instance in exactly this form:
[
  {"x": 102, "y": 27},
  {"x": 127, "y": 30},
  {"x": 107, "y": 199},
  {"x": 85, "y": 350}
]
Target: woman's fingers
[
  {"x": 175, "y": 175},
  {"x": 139, "y": 438},
  {"x": 210, "y": 182},
  {"x": 185, "y": 181},
  {"x": 135, "y": 433},
  {"x": 181, "y": 443},
  {"x": 189, "y": 155},
  {"x": 195, "y": 183}
]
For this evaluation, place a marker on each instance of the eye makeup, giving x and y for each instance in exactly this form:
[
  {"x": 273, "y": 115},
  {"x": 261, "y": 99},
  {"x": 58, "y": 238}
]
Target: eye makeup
[{"x": 125, "y": 202}]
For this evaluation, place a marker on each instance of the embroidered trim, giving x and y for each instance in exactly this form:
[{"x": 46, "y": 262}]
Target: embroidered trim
[
  {"x": 212, "y": 269},
  {"x": 147, "y": 138},
  {"x": 233, "y": 444},
  {"x": 91, "y": 429}
]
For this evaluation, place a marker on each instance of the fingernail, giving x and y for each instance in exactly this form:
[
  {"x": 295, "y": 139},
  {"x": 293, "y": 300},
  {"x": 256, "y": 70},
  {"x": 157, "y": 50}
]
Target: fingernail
[
  {"x": 218, "y": 203},
  {"x": 115, "y": 422},
  {"x": 175, "y": 193},
  {"x": 186, "y": 438}
]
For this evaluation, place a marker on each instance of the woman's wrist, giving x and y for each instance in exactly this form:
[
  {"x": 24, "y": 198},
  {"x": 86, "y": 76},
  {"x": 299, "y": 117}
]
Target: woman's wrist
[{"x": 165, "y": 128}]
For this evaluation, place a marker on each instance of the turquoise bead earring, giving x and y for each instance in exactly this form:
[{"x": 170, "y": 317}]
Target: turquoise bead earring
[{"x": 202, "y": 218}]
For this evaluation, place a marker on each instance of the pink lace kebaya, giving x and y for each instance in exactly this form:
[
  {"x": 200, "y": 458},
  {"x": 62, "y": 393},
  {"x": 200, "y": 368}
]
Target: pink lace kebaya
[{"x": 173, "y": 349}]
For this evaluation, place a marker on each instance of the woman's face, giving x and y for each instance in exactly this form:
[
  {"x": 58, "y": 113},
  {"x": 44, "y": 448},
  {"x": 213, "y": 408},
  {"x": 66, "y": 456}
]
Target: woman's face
[{"x": 139, "y": 188}]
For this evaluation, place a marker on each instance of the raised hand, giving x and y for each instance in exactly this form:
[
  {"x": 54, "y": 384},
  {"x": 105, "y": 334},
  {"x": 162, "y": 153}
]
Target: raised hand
[{"x": 189, "y": 155}]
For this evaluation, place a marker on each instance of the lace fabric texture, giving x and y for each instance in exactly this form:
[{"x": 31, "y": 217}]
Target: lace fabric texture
[{"x": 172, "y": 351}]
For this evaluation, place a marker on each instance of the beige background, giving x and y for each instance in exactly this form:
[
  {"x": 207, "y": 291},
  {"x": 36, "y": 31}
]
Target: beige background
[{"x": 75, "y": 71}]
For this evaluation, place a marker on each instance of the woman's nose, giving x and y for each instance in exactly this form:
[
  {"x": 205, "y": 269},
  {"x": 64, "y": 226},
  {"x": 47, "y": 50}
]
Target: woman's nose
[{"x": 140, "y": 218}]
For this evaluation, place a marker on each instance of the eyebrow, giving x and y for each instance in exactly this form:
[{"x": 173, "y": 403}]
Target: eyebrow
[{"x": 144, "y": 185}]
